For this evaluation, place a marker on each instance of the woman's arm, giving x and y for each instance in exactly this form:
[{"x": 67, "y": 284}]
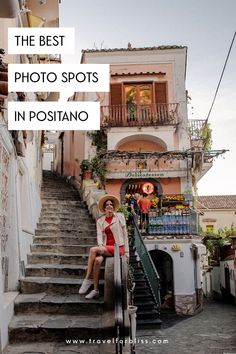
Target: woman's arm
[
  {"x": 99, "y": 233},
  {"x": 125, "y": 233}
]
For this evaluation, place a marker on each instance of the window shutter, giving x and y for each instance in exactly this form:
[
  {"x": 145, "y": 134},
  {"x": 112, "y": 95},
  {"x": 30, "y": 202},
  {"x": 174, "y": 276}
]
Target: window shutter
[
  {"x": 161, "y": 92},
  {"x": 116, "y": 94}
]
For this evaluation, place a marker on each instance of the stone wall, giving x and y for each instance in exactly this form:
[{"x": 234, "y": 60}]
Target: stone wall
[{"x": 187, "y": 304}]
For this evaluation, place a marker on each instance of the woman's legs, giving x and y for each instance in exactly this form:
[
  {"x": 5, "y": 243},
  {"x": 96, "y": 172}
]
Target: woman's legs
[
  {"x": 96, "y": 270},
  {"x": 93, "y": 253},
  {"x": 96, "y": 256}
]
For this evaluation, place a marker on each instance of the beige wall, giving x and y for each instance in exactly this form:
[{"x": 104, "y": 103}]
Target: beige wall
[
  {"x": 217, "y": 218},
  {"x": 74, "y": 153},
  {"x": 140, "y": 145},
  {"x": 5, "y": 24},
  {"x": 49, "y": 10}
]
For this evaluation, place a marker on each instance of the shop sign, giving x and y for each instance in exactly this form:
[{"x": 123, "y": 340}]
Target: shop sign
[
  {"x": 148, "y": 188},
  {"x": 146, "y": 174}
]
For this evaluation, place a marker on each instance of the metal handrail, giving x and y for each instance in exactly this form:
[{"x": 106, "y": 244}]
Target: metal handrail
[
  {"x": 119, "y": 311},
  {"x": 148, "y": 265}
]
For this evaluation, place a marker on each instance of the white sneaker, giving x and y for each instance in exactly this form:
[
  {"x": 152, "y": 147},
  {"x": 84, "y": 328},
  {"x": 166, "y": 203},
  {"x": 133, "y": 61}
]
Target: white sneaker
[
  {"x": 94, "y": 294},
  {"x": 85, "y": 286}
]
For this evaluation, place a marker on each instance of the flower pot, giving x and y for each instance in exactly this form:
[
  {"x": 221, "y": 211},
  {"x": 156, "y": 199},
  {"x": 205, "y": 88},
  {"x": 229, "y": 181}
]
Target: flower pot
[{"x": 87, "y": 174}]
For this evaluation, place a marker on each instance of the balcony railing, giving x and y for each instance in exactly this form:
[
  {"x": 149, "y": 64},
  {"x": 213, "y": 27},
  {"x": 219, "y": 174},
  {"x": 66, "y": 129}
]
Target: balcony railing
[
  {"x": 182, "y": 222},
  {"x": 196, "y": 128},
  {"x": 139, "y": 115}
]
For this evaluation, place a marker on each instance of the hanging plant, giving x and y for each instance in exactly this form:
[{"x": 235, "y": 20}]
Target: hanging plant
[
  {"x": 206, "y": 135},
  {"x": 99, "y": 139},
  {"x": 99, "y": 167}
]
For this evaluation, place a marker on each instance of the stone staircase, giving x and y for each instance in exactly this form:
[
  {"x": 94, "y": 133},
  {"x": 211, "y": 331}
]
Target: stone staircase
[
  {"x": 147, "y": 314},
  {"x": 49, "y": 308}
]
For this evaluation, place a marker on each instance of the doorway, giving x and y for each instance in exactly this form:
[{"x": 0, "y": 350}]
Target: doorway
[{"x": 164, "y": 266}]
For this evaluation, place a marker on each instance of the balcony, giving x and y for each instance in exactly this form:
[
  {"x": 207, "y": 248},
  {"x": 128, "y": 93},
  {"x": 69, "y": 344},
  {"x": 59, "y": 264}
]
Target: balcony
[
  {"x": 200, "y": 133},
  {"x": 139, "y": 115},
  {"x": 180, "y": 222}
]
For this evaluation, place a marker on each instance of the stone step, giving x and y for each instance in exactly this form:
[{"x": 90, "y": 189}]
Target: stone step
[
  {"x": 65, "y": 206},
  {"x": 53, "y": 191},
  {"x": 55, "y": 224},
  {"x": 65, "y": 233},
  {"x": 145, "y": 305},
  {"x": 149, "y": 323},
  {"x": 64, "y": 211},
  {"x": 68, "y": 233},
  {"x": 138, "y": 275},
  {"x": 61, "y": 348},
  {"x": 65, "y": 214},
  {"x": 70, "y": 230},
  {"x": 142, "y": 296},
  {"x": 147, "y": 314},
  {"x": 72, "y": 304},
  {"x": 59, "y": 198},
  {"x": 67, "y": 229},
  {"x": 64, "y": 189},
  {"x": 72, "y": 203},
  {"x": 68, "y": 240},
  {"x": 60, "y": 192},
  {"x": 61, "y": 248},
  {"x": 40, "y": 328},
  {"x": 32, "y": 285},
  {"x": 141, "y": 282},
  {"x": 58, "y": 270},
  {"x": 51, "y": 258},
  {"x": 65, "y": 218}
]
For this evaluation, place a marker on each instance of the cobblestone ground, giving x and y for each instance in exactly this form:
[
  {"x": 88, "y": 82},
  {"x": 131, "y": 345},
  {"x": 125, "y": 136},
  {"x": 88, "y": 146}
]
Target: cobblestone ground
[{"x": 212, "y": 331}]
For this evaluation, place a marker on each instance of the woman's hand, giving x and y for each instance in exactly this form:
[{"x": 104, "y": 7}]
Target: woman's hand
[{"x": 100, "y": 247}]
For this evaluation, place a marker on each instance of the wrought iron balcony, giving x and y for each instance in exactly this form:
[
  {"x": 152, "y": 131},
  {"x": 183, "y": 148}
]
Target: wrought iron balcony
[
  {"x": 196, "y": 127},
  {"x": 139, "y": 115}
]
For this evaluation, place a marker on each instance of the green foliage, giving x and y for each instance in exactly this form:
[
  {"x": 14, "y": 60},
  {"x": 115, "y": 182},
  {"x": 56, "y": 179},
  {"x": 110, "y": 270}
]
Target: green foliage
[
  {"x": 206, "y": 135},
  {"x": 98, "y": 166},
  {"x": 99, "y": 139},
  {"x": 215, "y": 241},
  {"x": 123, "y": 209},
  {"x": 85, "y": 165}
]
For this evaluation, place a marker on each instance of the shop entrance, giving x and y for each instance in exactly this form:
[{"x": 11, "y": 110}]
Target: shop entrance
[
  {"x": 164, "y": 266},
  {"x": 140, "y": 186}
]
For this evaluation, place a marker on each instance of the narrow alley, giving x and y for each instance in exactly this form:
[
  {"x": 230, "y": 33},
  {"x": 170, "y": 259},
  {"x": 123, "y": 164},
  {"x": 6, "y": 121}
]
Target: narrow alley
[{"x": 212, "y": 331}]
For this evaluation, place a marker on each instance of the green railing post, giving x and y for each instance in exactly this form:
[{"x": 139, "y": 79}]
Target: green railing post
[{"x": 148, "y": 265}]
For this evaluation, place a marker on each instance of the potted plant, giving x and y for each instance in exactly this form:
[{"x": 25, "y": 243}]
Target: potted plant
[
  {"x": 86, "y": 169},
  {"x": 98, "y": 167}
]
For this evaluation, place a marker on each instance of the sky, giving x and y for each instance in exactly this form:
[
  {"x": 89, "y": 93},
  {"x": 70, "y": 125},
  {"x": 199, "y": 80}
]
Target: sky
[{"x": 206, "y": 27}]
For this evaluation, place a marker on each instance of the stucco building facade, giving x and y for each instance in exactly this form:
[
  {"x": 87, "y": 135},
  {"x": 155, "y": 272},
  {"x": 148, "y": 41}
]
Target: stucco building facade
[
  {"x": 147, "y": 144},
  {"x": 20, "y": 162}
]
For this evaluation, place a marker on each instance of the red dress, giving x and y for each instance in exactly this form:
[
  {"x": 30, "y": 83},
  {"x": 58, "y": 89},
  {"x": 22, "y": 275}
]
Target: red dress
[{"x": 110, "y": 245}]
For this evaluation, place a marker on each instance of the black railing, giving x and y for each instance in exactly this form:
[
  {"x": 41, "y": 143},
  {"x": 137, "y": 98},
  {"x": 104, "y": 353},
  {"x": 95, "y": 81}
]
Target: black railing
[
  {"x": 139, "y": 115},
  {"x": 119, "y": 301},
  {"x": 147, "y": 263}
]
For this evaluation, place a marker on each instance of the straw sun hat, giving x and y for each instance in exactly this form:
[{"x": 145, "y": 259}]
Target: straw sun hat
[{"x": 106, "y": 197}]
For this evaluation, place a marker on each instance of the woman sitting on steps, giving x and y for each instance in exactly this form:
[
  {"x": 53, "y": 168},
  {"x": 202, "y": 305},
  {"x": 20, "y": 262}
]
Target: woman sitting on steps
[{"x": 111, "y": 228}]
